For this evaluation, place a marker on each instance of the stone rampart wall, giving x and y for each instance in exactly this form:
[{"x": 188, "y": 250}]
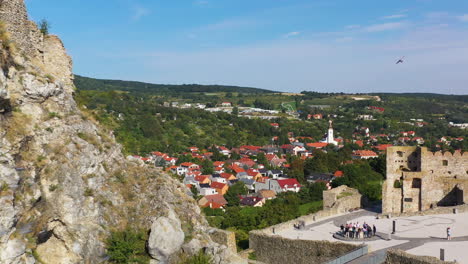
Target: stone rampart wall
[
  {"x": 279, "y": 250},
  {"x": 401, "y": 257},
  {"x": 224, "y": 237},
  {"x": 271, "y": 248}
]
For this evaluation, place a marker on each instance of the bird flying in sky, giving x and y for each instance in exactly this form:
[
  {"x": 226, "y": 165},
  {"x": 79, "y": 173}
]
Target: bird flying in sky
[{"x": 400, "y": 60}]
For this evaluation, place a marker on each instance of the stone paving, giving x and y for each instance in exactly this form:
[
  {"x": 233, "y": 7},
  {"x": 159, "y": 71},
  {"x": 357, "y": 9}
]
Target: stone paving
[{"x": 418, "y": 235}]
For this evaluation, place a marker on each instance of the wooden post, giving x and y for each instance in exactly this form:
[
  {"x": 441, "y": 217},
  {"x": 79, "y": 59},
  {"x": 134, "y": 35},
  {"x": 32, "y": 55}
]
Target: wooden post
[{"x": 394, "y": 227}]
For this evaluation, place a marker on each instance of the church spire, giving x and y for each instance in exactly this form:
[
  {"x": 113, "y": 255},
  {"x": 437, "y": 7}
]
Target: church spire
[{"x": 331, "y": 122}]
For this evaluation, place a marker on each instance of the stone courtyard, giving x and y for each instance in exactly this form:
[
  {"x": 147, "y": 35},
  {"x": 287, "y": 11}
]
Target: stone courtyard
[{"x": 418, "y": 235}]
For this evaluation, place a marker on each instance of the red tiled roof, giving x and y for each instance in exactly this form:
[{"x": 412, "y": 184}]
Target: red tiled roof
[
  {"x": 200, "y": 178},
  {"x": 252, "y": 172},
  {"x": 216, "y": 198},
  {"x": 383, "y": 147},
  {"x": 226, "y": 175},
  {"x": 213, "y": 205},
  {"x": 218, "y": 185},
  {"x": 251, "y": 147},
  {"x": 289, "y": 183},
  {"x": 338, "y": 173},
  {"x": 364, "y": 153},
  {"x": 218, "y": 163},
  {"x": 187, "y": 164},
  {"x": 360, "y": 143},
  {"x": 317, "y": 145},
  {"x": 237, "y": 169},
  {"x": 269, "y": 157}
]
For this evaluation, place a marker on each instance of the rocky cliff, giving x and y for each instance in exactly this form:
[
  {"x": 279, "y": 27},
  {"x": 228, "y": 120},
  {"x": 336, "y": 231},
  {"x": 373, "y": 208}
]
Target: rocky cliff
[{"x": 64, "y": 184}]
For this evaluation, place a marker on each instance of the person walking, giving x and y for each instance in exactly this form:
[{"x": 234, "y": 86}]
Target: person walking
[
  {"x": 449, "y": 233},
  {"x": 374, "y": 230}
]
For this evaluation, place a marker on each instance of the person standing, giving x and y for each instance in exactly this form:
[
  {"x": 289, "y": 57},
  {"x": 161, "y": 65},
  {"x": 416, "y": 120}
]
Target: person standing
[
  {"x": 449, "y": 233},
  {"x": 374, "y": 230}
]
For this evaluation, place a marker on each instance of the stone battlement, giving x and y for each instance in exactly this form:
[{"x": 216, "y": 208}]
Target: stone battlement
[
  {"x": 23, "y": 32},
  {"x": 418, "y": 179}
]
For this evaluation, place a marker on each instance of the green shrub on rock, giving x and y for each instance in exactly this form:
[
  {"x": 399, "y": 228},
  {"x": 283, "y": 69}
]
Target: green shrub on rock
[{"x": 128, "y": 246}]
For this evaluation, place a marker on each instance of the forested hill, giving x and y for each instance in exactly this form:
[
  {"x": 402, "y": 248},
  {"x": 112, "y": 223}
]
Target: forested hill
[{"x": 85, "y": 83}]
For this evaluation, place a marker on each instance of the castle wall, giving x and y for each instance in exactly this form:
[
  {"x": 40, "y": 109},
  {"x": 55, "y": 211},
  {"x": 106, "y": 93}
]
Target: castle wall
[
  {"x": 401, "y": 257},
  {"x": 418, "y": 179},
  {"x": 342, "y": 199},
  {"x": 280, "y": 250},
  {"x": 23, "y": 32}
]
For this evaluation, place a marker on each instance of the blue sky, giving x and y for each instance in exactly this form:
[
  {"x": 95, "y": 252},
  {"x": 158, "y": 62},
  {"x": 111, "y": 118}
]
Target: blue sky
[{"x": 284, "y": 45}]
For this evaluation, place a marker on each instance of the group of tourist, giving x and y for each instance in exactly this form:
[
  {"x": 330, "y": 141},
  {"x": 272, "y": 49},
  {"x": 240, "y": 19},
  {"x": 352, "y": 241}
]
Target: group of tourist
[{"x": 357, "y": 231}]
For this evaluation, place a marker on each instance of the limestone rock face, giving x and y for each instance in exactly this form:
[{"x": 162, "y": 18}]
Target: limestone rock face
[
  {"x": 64, "y": 183},
  {"x": 166, "y": 237}
]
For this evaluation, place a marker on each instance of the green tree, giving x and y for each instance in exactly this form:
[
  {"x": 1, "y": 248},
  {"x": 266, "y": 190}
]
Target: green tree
[
  {"x": 235, "y": 111},
  {"x": 128, "y": 246},
  {"x": 207, "y": 167},
  {"x": 44, "y": 26},
  {"x": 232, "y": 195},
  {"x": 296, "y": 170}
]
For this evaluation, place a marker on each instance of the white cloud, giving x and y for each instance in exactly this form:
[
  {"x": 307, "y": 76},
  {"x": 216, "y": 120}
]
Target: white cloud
[
  {"x": 385, "y": 27},
  {"x": 396, "y": 16},
  {"x": 229, "y": 24},
  {"x": 291, "y": 34},
  {"x": 352, "y": 26},
  {"x": 436, "y": 15},
  {"x": 344, "y": 39},
  {"x": 201, "y": 2},
  {"x": 139, "y": 12},
  {"x": 463, "y": 18}
]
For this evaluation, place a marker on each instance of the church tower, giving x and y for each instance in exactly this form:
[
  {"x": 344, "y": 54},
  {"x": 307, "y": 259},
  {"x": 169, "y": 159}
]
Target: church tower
[{"x": 330, "y": 137}]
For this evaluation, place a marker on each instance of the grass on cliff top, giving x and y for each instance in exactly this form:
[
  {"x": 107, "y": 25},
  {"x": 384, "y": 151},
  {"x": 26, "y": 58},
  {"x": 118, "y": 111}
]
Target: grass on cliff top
[{"x": 310, "y": 208}]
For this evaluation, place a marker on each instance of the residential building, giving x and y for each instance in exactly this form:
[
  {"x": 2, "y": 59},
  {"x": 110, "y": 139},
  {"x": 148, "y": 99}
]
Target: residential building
[
  {"x": 364, "y": 154},
  {"x": 252, "y": 201}
]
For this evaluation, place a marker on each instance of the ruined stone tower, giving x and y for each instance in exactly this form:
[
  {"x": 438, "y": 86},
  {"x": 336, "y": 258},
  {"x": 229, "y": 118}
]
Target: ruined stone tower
[
  {"x": 23, "y": 32},
  {"x": 418, "y": 179}
]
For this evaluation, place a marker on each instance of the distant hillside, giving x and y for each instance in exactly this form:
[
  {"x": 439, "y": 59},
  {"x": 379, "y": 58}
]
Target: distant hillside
[
  {"x": 85, "y": 83},
  {"x": 461, "y": 98}
]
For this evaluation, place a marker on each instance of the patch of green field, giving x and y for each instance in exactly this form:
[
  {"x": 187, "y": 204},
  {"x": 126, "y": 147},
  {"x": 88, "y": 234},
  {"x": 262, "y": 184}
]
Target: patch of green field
[{"x": 311, "y": 207}]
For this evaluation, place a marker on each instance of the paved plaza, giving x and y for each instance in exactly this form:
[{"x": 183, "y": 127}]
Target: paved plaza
[{"x": 418, "y": 235}]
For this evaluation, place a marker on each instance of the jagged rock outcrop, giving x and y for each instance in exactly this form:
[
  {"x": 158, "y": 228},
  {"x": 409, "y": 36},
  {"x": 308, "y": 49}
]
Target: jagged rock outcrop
[
  {"x": 64, "y": 183},
  {"x": 166, "y": 237}
]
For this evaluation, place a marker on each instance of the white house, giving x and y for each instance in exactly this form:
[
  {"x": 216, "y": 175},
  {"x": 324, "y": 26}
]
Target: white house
[
  {"x": 207, "y": 191},
  {"x": 279, "y": 185}
]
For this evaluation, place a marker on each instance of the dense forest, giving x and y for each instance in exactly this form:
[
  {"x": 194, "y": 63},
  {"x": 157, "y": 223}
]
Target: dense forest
[
  {"x": 142, "y": 125},
  {"x": 85, "y": 83}
]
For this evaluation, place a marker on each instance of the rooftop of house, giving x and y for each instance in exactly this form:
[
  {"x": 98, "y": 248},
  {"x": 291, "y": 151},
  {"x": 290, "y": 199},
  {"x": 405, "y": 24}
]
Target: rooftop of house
[
  {"x": 216, "y": 198},
  {"x": 364, "y": 153},
  {"x": 250, "y": 201},
  {"x": 266, "y": 194},
  {"x": 287, "y": 183},
  {"x": 218, "y": 185},
  {"x": 324, "y": 177}
]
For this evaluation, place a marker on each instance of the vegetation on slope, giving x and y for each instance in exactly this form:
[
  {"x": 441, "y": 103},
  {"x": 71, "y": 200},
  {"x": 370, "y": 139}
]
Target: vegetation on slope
[{"x": 85, "y": 83}]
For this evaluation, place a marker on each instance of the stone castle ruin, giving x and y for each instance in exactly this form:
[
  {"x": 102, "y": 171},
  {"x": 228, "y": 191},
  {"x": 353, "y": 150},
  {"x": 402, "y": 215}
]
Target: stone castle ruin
[{"x": 418, "y": 180}]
